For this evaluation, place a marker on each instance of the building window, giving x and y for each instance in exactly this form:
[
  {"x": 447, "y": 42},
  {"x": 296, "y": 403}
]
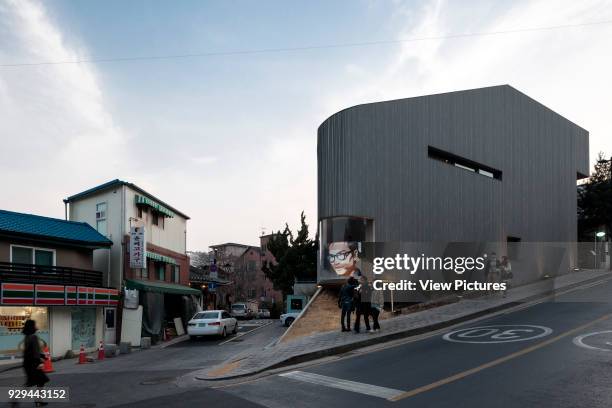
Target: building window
[
  {"x": 101, "y": 226},
  {"x": 463, "y": 163},
  {"x": 32, "y": 256},
  {"x": 139, "y": 209},
  {"x": 252, "y": 294},
  {"x": 145, "y": 272},
  {"x": 161, "y": 271},
  {"x": 157, "y": 219},
  {"x": 251, "y": 266},
  {"x": 177, "y": 273},
  {"x": 514, "y": 247}
]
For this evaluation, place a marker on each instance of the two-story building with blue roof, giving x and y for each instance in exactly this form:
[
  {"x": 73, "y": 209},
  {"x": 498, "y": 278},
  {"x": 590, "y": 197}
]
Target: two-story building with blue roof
[{"x": 47, "y": 274}]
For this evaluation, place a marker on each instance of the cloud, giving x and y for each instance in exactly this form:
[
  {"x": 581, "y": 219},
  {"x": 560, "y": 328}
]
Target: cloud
[
  {"x": 239, "y": 154},
  {"x": 56, "y": 128},
  {"x": 566, "y": 69}
]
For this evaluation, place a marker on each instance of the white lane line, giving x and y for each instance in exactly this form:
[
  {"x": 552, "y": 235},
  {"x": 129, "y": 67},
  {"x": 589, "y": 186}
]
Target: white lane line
[
  {"x": 362, "y": 388},
  {"x": 240, "y": 334}
]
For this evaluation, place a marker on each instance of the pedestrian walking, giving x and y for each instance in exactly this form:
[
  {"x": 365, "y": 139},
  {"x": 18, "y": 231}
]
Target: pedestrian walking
[
  {"x": 33, "y": 359},
  {"x": 361, "y": 299},
  {"x": 345, "y": 303}
]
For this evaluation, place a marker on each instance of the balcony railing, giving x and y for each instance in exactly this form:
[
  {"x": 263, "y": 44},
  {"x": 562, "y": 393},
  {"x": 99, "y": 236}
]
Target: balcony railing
[{"x": 55, "y": 275}]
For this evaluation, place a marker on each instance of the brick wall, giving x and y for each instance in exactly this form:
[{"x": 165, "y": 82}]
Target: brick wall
[{"x": 181, "y": 259}]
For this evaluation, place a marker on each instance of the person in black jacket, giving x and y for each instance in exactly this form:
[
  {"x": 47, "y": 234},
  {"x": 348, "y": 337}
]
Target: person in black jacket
[
  {"x": 33, "y": 358},
  {"x": 345, "y": 302},
  {"x": 361, "y": 298}
]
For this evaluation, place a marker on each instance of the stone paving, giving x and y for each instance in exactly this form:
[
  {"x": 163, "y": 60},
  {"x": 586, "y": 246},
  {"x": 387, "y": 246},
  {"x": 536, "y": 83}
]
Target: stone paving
[{"x": 335, "y": 342}]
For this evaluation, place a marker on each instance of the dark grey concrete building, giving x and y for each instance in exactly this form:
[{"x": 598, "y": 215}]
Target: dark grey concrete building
[{"x": 482, "y": 165}]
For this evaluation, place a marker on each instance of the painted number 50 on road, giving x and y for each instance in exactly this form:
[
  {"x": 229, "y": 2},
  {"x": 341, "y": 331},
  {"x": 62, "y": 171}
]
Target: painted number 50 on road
[{"x": 497, "y": 334}]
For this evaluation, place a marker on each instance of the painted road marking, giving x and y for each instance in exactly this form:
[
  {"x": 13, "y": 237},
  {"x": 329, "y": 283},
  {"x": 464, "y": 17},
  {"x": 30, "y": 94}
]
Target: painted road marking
[
  {"x": 580, "y": 341},
  {"x": 496, "y": 362},
  {"x": 506, "y": 333},
  {"x": 240, "y": 334},
  {"x": 362, "y": 388}
]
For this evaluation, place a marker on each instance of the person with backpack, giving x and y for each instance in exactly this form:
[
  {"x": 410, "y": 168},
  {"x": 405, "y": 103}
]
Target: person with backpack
[
  {"x": 345, "y": 303},
  {"x": 361, "y": 300}
]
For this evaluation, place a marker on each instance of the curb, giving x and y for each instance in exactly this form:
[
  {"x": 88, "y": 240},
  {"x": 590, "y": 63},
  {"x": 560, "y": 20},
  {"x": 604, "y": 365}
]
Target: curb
[
  {"x": 8, "y": 367},
  {"x": 315, "y": 355}
]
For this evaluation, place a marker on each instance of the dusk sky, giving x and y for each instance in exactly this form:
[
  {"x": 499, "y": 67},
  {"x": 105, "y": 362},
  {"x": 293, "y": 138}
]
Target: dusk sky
[{"x": 231, "y": 139}]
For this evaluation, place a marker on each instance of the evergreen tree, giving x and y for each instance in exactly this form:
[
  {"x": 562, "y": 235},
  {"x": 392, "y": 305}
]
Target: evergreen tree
[
  {"x": 595, "y": 200},
  {"x": 296, "y": 258}
]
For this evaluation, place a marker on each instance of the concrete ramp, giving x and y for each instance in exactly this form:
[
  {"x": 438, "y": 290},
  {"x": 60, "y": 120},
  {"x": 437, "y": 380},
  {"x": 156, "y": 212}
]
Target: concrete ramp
[{"x": 320, "y": 315}]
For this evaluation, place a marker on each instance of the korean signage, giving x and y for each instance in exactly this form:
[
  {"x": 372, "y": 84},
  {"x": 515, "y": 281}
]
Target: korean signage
[
  {"x": 138, "y": 248},
  {"x": 213, "y": 270}
]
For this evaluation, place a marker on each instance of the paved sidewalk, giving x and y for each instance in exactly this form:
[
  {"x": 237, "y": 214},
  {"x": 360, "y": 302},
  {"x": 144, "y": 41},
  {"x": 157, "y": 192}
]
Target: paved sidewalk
[{"x": 330, "y": 343}]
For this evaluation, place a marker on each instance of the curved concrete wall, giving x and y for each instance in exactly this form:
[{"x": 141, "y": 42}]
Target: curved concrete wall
[{"x": 373, "y": 162}]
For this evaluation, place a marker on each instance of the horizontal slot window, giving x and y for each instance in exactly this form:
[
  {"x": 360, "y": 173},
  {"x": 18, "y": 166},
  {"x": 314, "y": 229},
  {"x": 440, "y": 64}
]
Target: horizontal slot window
[{"x": 463, "y": 163}]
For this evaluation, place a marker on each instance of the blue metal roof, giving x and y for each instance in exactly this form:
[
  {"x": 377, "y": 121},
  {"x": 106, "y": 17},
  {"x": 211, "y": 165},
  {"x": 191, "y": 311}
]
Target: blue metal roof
[{"x": 52, "y": 229}]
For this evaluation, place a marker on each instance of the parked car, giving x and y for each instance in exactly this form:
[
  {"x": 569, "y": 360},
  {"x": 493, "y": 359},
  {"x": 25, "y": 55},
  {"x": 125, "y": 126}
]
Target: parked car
[
  {"x": 287, "y": 319},
  {"x": 241, "y": 311},
  {"x": 263, "y": 314},
  {"x": 211, "y": 322}
]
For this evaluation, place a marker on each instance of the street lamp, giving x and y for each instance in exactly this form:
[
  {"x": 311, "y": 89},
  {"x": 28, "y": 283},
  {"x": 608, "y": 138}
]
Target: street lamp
[{"x": 599, "y": 234}]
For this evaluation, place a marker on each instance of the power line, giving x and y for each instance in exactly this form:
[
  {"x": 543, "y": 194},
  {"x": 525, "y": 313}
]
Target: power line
[{"x": 306, "y": 48}]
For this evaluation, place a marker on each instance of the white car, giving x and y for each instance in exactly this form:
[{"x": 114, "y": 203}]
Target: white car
[
  {"x": 241, "y": 311},
  {"x": 287, "y": 318},
  {"x": 211, "y": 322}
]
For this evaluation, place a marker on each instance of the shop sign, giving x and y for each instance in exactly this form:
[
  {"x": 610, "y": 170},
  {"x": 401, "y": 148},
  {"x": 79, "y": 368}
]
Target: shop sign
[
  {"x": 31, "y": 294},
  {"x": 50, "y": 295},
  {"x": 17, "y": 294},
  {"x": 138, "y": 248}
]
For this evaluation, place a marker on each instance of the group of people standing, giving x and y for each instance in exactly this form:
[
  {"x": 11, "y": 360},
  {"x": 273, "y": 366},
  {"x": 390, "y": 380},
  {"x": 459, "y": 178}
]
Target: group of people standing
[{"x": 357, "y": 295}]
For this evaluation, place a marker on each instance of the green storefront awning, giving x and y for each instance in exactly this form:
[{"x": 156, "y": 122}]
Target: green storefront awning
[
  {"x": 161, "y": 287},
  {"x": 161, "y": 258},
  {"x": 142, "y": 200}
]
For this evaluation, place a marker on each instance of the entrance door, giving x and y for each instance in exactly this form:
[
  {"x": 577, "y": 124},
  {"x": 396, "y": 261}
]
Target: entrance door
[{"x": 110, "y": 325}]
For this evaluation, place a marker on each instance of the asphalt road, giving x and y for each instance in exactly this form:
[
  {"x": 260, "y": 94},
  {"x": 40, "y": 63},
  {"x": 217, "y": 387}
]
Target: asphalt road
[
  {"x": 507, "y": 365},
  {"x": 149, "y": 377},
  {"x": 556, "y": 353}
]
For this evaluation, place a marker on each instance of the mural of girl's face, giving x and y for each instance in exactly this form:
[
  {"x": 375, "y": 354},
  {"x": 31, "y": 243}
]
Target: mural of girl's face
[{"x": 342, "y": 258}]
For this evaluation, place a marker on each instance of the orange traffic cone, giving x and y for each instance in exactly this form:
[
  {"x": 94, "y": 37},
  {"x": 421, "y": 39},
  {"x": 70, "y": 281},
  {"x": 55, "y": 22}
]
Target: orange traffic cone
[
  {"x": 82, "y": 356},
  {"x": 101, "y": 351},
  {"x": 47, "y": 366}
]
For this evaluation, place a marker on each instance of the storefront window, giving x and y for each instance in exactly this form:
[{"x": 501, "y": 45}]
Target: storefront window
[
  {"x": 342, "y": 249},
  {"x": 83, "y": 327},
  {"x": 12, "y": 319}
]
